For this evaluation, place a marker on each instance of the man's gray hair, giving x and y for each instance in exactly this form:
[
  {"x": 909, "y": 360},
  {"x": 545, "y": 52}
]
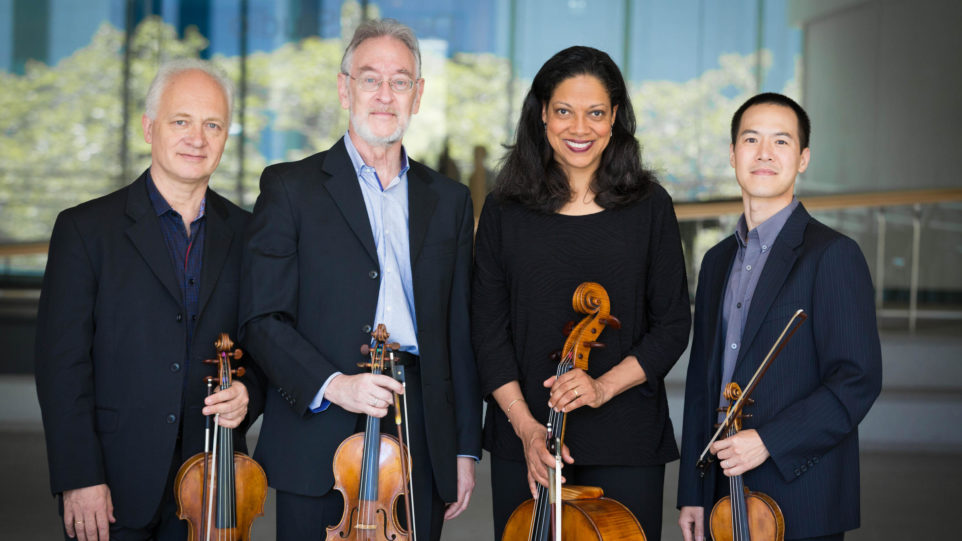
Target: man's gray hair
[
  {"x": 168, "y": 70},
  {"x": 379, "y": 28}
]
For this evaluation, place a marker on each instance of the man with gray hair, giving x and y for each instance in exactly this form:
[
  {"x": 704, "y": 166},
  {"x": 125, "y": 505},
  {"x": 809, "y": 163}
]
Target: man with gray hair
[
  {"x": 138, "y": 285},
  {"x": 344, "y": 240}
]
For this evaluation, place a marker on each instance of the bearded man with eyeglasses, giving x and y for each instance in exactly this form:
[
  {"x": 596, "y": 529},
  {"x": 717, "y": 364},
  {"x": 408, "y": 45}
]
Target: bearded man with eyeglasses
[{"x": 340, "y": 242}]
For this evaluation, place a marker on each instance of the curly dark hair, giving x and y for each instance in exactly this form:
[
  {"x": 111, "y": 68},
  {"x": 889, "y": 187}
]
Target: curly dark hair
[{"x": 529, "y": 173}]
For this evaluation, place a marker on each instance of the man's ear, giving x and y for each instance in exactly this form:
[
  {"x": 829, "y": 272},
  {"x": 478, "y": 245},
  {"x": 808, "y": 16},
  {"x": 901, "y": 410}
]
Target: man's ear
[
  {"x": 343, "y": 92},
  {"x": 147, "y": 124},
  {"x": 803, "y": 163}
]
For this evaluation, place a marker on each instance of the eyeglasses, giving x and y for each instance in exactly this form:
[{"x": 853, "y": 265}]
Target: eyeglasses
[{"x": 398, "y": 85}]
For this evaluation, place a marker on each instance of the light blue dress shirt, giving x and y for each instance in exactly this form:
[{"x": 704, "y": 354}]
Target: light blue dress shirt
[
  {"x": 753, "y": 249},
  {"x": 387, "y": 210}
]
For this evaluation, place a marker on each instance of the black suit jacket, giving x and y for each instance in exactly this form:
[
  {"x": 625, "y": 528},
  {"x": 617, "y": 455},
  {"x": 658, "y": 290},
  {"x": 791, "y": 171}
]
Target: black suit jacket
[
  {"x": 111, "y": 342},
  {"x": 811, "y": 400},
  {"x": 310, "y": 289}
]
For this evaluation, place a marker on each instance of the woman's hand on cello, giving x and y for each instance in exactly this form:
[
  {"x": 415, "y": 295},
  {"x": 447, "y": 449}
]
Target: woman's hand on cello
[
  {"x": 537, "y": 457},
  {"x": 574, "y": 389}
]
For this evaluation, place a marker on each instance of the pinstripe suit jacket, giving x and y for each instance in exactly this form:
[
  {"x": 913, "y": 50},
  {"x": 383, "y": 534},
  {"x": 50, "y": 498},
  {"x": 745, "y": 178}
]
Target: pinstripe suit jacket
[{"x": 808, "y": 405}]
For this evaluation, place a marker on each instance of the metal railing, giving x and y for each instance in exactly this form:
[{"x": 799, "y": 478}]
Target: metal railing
[
  {"x": 917, "y": 200},
  {"x": 879, "y": 201}
]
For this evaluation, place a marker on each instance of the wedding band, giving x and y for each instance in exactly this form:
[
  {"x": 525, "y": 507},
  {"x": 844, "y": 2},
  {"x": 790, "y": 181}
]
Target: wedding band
[
  {"x": 576, "y": 392},
  {"x": 78, "y": 522}
]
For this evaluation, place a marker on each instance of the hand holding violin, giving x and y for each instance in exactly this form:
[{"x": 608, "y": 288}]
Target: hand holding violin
[
  {"x": 231, "y": 404},
  {"x": 740, "y": 453},
  {"x": 370, "y": 394}
]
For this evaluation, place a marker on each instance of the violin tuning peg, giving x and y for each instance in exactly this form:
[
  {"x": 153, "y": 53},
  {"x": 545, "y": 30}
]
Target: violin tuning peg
[
  {"x": 210, "y": 379},
  {"x": 237, "y": 354},
  {"x": 365, "y": 349},
  {"x": 556, "y": 356},
  {"x": 569, "y": 326},
  {"x": 364, "y": 365},
  {"x": 595, "y": 345},
  {"x": 749, "y": 401},
  {"x": 240, "y": 371},
  {"x": 211, "y": 361},
  {"x": 393, "y": 346},
  {"x": 721, "y": 410},
  {"x": 746, "y": 416},
  {"x": 611, "y": 321}
]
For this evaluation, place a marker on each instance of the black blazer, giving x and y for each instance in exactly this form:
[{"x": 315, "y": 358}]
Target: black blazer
[
  {"x": 310, "y": 288},
  {"x": 809, "y": 403},
  {"x": 111, "y": 335}
]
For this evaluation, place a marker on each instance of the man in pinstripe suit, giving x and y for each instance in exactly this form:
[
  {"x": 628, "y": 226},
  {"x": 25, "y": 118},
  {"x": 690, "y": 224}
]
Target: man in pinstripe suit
[{"x": 801, "y": 444}]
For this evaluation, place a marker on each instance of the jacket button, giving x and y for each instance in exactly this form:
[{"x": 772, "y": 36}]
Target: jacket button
[
  {"x": 180, "y": 317},
  {"x": 815, "y": 459},
  {"x": 366, "y": 329},
  {"x": 372, "y": 275},
  {"x": 175, "y": 367},
  {"x": 171, "y": 419},
  {"x": 798, "y": 472},
  {"x": 804, "y": 467}
]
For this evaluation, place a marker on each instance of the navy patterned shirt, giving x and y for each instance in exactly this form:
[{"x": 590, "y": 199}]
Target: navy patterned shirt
[{"x": 186, "y": 254}]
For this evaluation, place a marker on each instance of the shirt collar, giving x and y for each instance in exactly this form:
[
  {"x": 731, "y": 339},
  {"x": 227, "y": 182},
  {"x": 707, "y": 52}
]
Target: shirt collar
[
  {"x": 358, "y": 161},
  {"x": 768, "y": 230},
  {"x": 161, "y": 206}
]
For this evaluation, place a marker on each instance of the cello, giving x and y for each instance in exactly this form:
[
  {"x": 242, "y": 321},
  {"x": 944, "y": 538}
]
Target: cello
[
  {"x": 219, "y": 491},
  {"x": 372, "y": 470},
  {"x": 746, "y": 515},
  {"x": 574, "y": 512}
]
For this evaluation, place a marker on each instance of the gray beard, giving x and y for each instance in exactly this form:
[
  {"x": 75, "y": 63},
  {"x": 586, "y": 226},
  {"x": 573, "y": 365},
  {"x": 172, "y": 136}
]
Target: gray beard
[{"x": 364, "y": 131}]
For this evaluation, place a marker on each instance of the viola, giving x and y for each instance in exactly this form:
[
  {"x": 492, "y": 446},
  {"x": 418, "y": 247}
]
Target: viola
[
  {"x": 745, "y": 515},
  {"x": 219, "y": 491},
  {"x": 574, "y": 512},
  {"x": 371, "y": 469}
]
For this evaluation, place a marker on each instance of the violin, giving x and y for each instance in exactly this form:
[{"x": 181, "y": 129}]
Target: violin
[
  {"x": 219, "y": 491},
  {"x": 577, "y": 512},
  {"x": 371, "y": 493},
  {"x": 744, "y": 515}
]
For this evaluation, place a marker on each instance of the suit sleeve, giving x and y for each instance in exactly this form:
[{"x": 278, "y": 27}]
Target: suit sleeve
[
  {"x": 848, "y": 358},
  {"x": 64, "y": 364},
  {"x": 694, "y": 436},
  {"x": 464, "y": 370},
  {"x": 666, "y": 298},
  {"x": 269, "y": 295},
  {"x": 490, "y": 305}
]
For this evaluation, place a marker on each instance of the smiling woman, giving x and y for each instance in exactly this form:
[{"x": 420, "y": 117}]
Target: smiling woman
[{"x": 573, "y": 204}]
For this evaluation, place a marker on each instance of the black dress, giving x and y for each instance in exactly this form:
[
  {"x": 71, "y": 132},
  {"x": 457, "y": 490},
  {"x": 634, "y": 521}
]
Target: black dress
[{"x": 527, "y": 266}]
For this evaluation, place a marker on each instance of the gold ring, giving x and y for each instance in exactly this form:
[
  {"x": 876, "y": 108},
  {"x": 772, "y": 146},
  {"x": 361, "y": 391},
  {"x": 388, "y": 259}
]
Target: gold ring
[
  {"x": 78, "y": 522},
  {"x": 576, "y": 392}
]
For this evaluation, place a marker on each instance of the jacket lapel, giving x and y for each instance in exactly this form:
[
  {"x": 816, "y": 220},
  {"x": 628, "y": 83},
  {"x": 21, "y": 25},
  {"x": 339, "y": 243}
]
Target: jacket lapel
[
  {"x": 147, "y": 237},
  {"x": 777, "y": 268},
  {"x": 216, "y": 247},
  {"x": 421, "y": 203},
  {"x": 719, "y": 282},
  {"x": 343, "y": 186}
]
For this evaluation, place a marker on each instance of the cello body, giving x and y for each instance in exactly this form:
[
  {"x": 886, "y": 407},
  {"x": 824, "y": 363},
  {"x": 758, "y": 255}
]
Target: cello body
[{"x": 586, "y": 515}]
